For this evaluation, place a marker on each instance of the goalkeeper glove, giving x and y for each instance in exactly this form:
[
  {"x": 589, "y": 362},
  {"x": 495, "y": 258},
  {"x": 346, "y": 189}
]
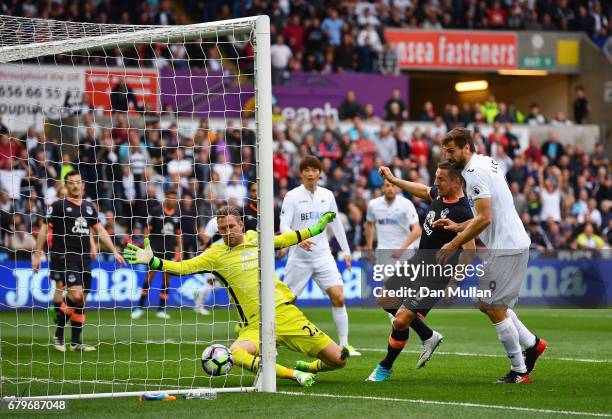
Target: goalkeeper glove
[
  {"x": 135, "y": 255},
  {"x": 325, "y": 219}
]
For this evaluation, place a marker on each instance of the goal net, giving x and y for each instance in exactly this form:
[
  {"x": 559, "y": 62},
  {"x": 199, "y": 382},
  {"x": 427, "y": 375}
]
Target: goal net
[{"x": 142, "y": 113}]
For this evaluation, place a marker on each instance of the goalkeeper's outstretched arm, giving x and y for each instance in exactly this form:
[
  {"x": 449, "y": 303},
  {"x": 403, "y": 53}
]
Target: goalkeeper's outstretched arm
[{"x": 206, "y": 262}]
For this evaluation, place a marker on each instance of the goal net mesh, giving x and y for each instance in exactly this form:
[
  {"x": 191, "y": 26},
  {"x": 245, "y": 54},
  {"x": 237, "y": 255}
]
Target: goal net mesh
[{"x": 140, "y": 112}]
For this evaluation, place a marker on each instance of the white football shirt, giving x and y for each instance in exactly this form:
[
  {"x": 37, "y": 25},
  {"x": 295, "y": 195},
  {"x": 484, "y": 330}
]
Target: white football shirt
[
  {"x": 392, "y": 221},
  {"x": 484, "y": 179},
  {"x": 302, "y": 209}
]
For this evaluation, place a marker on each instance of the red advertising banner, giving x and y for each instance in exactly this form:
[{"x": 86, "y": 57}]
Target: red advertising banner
[
  {"x": 144, "y": 84},
  {"x": 454, "y": 50}
]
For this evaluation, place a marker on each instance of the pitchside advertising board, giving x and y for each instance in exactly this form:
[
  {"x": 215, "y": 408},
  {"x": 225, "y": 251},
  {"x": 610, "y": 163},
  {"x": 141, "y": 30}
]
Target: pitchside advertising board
[
  {"x": 567, "y": 280},
  {"x": 30, "y": 94},
  {"x": 454, "y": 50}
]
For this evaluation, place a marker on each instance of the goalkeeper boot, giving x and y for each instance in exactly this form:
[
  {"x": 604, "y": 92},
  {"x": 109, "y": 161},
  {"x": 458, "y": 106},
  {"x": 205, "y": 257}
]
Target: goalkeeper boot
[
  {"x": 137, "y": 313},
  {"x": 81, "y": 347},
  {"x": 58, "y": 344},
  {"x": 429, "y": 346},
  {"x": 306, "y": 379},
  {"x": 352, "y": 350},
  {"x": 379, "y": 374},
  {"x": 52, "y": 314},
  {"x": 532, "y": 354}
]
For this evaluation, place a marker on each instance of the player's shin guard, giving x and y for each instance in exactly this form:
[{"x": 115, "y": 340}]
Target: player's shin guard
[
  {"x": 509, "y": 338},
  {"x": 397, "y": 341},
  {"x": 77, "y": 320},
  {"x": 252, "y": 362}
]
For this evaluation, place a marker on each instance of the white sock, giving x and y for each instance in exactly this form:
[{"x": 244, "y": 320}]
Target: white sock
[
  {"x": 341, "y": 319},
  {"x": 203, "y": 294},
  {"x": 526, "y": 338},
  {"x": 509, "y": 338}
]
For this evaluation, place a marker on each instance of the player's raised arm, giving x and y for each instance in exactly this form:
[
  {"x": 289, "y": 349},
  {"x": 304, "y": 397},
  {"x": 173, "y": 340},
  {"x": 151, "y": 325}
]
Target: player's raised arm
[
  {"x": 294, "y": 237},
  {"x": 413, "y": 188},
  {"x": 201, "y": 263}
]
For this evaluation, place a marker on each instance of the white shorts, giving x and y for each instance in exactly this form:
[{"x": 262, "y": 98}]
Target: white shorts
[
  {"x": 504, "y": 276},
  {"x": 322, "y": 269}
]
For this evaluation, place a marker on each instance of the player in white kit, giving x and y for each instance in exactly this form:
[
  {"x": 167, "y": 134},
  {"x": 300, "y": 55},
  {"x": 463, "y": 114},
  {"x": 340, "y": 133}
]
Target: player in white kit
[
  {"x": 502, "y": 232},
  {"x": 396, "y": 223},
  {"x": 302, "y": 208}
]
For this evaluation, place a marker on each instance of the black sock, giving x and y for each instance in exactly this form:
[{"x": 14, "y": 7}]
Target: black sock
[
  {"x": 391, "y": 311},
  {"x": 144, "y": 294},
  {"x": 421, "y": 328},
  {"x": 61, "y": 323},
  {"x": 163, "y": 297},
  {"x": 77, "y": 320},
  {"x": 57, "y": 308},
  {"x": 398, "y": 339}
]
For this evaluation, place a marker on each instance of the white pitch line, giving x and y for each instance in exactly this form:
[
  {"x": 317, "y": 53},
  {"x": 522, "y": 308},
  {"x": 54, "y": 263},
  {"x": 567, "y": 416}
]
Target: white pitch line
[
  {"x": 477, "y": 355},
  {"x": 455, "y": 404}
]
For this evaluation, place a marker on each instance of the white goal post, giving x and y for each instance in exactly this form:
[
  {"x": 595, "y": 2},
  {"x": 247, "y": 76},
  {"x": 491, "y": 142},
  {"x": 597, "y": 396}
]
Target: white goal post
[{"x": 28, "y": 42}]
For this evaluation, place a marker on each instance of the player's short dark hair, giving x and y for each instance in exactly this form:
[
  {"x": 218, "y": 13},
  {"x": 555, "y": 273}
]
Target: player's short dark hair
[
  {"x": 459, "y": 136},
  {"x": 228, "y": 210},
  {"x": 450, "y": 169},
  {"x": 72, "y": 173},
  {"x": 310, "y": 161}
]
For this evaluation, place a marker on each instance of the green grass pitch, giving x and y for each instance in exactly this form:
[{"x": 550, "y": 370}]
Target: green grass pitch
[{"x": 574, "y": 375}]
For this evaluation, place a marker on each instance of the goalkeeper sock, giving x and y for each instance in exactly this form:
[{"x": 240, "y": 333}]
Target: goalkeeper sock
[
  {"x": 397, "y": 341},
  {"x": 319, "y": 366},
  {"x": 421, "y": 328},
  {"x": 342, "y": 324},
  {"x": 252, "y": 362},
  {"x": 77, "y": 320}
]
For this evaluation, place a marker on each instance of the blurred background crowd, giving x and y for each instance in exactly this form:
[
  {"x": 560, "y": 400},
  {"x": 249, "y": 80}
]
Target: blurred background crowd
[
  {"x": 563, "y": 194},
  {"x": 326, "y": 36}
]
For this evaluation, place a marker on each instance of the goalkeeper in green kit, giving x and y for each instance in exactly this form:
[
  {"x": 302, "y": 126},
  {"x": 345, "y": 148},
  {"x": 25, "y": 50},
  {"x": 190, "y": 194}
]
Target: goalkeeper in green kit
[{"x": 235, "y": 262}]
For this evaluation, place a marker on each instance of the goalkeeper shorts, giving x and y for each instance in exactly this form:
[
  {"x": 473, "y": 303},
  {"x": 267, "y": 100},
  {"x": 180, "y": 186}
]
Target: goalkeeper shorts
[{"x": 293, "y": 330}]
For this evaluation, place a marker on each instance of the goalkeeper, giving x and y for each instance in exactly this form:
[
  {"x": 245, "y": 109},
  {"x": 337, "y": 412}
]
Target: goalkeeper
[{"x": 235, "y": 262}]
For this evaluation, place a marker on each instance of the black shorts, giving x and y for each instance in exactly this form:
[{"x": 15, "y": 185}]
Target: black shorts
[
  {"x": 419, "y": 295},
  {"x": 70, "y": 271}
]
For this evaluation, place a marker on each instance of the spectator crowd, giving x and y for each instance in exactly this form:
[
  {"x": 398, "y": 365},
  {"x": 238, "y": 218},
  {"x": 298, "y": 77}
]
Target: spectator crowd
[
  {"x": 562, "y": 193},
  {"x": 322, "y": 36}
]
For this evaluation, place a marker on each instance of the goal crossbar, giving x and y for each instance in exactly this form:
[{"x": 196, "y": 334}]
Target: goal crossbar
[{"x": 139, "y": 34}]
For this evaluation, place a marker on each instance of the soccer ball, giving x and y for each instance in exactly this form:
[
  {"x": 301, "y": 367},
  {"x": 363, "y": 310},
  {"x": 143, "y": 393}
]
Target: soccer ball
[{"x": 217, "y": 360}]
